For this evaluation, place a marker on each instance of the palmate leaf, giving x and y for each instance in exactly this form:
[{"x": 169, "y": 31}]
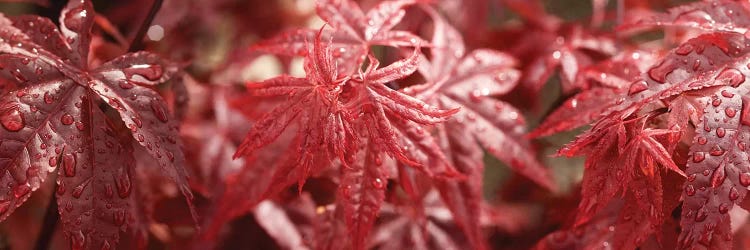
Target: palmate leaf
[
  {"x": 607, "y": 83},
  {"x": 53, "y": 120},
  {"x": 468, "y": 81},
  {"x": 335, "y": 115},
  {"x": 354, "y": 31},
  {"x": 716, "y": 169}
]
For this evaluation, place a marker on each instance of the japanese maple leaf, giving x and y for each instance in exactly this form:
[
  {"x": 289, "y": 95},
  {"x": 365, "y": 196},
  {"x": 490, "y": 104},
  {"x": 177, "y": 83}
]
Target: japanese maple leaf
[
  {"x": 455, "y": 80},
  {"x": 705, "y": 73},
  {"x": 354, "y": 31},
  {"x": 605, "y": 84},
  {"x": 722, "y": 15},
  {"x": 56, "y": 119},
  {"x": 335, "y": 116}
]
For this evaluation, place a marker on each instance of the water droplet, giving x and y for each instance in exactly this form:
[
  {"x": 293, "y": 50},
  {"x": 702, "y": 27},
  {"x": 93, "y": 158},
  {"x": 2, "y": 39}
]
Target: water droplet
[
  {"x": 19, "y": 77},
  {"x": 378, "y": 183},
  {"x": 684, "y": 49},
  {"x": 78, "y": 190},
  {"x": 61, "y": 188},
  {"x": 733, "y": 77},
  {"x": 106, "y": 245},
  {"x": 66, "y": 119},
  {"x": 716, "y": 150},
  {"x": 123, "y": 184},
  {"x": 730, "y": 112},
  {"x": 12, "y": 120},
  {"x": 21, "y": 191},
  {"x": 691, "y": 177},
  {"x": 701, "y": 215},
  {"x": 716, "y": 102},
  {"x": 80, "y": 126},
  {"x": 48, "y": 99},
  {"x": 125, "y": 84},
  {"x": 660, "y": 72},
  {"x": 720, "y": 132},
  {"x": 727, "y": 94},
  {"x": 69, "y": 164},
  {"x": 147, "y": 71},
  {"x": 719, "y": 176},
  {"x": 745, "y": 179},
  {"x": 77, "y": 240},
  {"x": 119, "y": 217},
  {"x": 689, "y": 190},
  {"x": 137, "y": 121},
  {"x": 698, "y": 157},
  {"x": 637, "y": 87},
  {"x": 159, "y": 111},
  {"x": 52, "y": 161},
  {"x": 702, "y": 140}
]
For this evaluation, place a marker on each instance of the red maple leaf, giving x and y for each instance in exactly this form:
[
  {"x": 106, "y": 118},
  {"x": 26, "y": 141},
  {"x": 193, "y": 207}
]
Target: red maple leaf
[
  {"x": 705, "y": 73},
  {"x": 467, "y": 81},
  {"x": 354, "y": 31},
  {"x": 68, "y": 116}
]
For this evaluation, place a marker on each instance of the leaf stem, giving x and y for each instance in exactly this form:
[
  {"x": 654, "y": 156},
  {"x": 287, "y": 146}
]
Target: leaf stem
[
  {"x": 137, "y": 43},
  {"x": 48, "y": 224}
]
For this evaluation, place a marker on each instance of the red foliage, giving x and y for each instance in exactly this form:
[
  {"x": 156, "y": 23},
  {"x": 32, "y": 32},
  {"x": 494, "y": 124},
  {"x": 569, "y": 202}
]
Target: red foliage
[{"x": 374, "y": 126}]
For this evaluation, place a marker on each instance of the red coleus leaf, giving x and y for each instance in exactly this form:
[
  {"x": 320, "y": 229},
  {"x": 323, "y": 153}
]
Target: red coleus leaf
[{"x": 58, "y": 117}]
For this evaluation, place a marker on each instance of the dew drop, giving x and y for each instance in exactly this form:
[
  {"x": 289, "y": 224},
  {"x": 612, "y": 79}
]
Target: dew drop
[
  {"x": 690, "y": 190},
  {"x": 159, "y": 111},
  {"x": 733, "y": 77},
  {"x": 730, "y": 112},
  {"x": 69, "y": 164},
  {"x": 660, "y": 72},
  {"x": 378, "y": 183},
  {"x": 698, "y": 157},
  {"x": 637, "y": 87},
  {"x": 720, "y": 132},
  {"x": 745, "y": 179},
  {"x": 716, "y": 150},
  {"x": 125, "y": 84},
  {"x": 684, "y": 49},
  {"x": 719, "y": 176},
  {"x": 119, "y": 217},
  {"x": 702, "y": 140},
  {"x": 150, "y": 72},
  {"x": 122, "y": 182},
  {"x": 701, "y": 215},
  {"x": 12, "y": 120},
  {"x": 77, "y": 240},
  {"x": 48, "y": 99},
  {"x": 78, "y": 190},
  {"x": 716, "y": 102},
  {"x": 137, "y": 121},
  {"x": 21, "y": 191},
  {"x": 66, "y": 119}
]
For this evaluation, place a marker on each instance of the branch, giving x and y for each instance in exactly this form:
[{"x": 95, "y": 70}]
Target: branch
[{"x": 137, "y": 43}]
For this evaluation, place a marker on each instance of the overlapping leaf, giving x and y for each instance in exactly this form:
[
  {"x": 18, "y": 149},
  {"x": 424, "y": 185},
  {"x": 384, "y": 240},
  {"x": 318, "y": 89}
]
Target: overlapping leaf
[{"x": 63, "y": 116}]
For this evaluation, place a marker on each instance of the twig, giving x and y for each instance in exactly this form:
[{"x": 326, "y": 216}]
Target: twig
[{"x": 137, "y": 43}]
